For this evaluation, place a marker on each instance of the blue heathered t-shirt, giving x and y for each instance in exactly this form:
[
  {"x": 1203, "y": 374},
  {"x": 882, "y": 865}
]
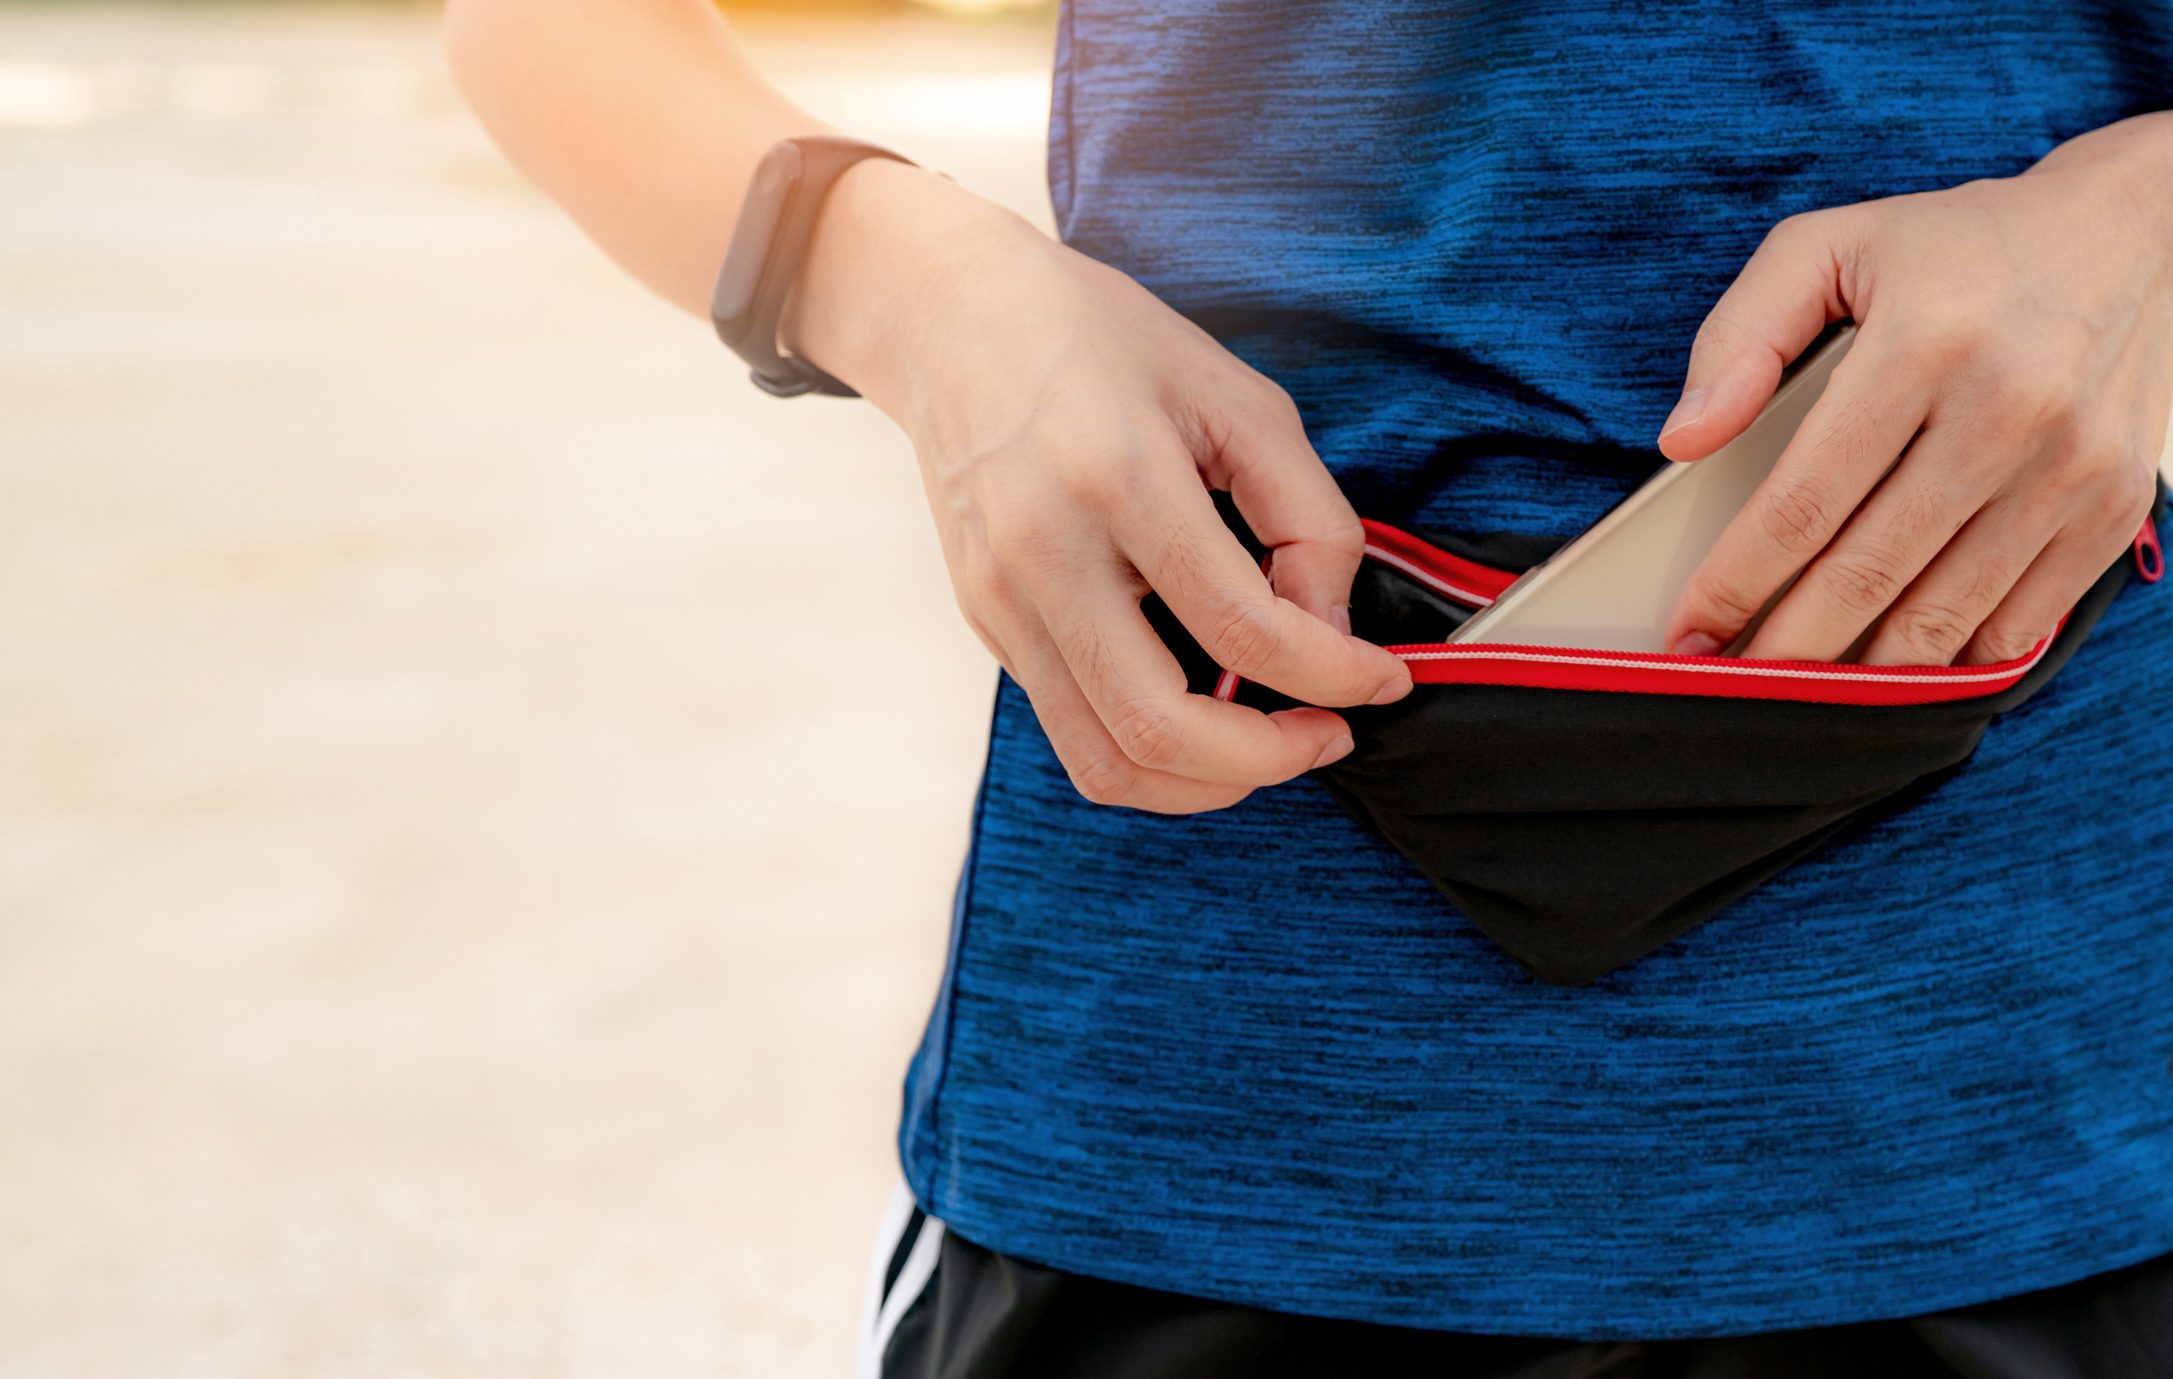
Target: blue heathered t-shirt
[{"x": 1253, "y": 1055}]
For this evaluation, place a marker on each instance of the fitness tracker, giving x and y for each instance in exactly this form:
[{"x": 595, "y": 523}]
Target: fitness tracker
[{"x": 783, "y": 197}]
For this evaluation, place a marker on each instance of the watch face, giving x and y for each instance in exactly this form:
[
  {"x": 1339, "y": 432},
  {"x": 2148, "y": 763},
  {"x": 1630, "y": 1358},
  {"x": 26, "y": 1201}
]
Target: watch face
[{"x": 771, "y": 188}]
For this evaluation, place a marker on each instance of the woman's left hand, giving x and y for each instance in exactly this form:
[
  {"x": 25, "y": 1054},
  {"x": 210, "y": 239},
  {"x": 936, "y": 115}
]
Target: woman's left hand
[{"x": 2014, "y": 348}]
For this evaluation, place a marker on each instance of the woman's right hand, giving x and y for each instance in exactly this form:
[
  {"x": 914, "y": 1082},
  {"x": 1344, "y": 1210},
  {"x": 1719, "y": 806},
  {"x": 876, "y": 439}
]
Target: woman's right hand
[{"x": 1069, "y": 428}]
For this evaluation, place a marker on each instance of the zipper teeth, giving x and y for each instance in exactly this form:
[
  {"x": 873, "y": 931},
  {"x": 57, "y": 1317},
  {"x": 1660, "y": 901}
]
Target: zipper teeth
[
  {"x": 2145, "y": 540},
  {"x": 1723, "y": 665},
  {"x": 1657, "y": 660}
]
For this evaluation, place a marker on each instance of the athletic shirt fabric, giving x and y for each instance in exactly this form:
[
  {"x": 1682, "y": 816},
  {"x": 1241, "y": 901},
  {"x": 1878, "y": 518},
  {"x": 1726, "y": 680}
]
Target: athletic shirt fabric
[{"x": 1252, "y": 1055}]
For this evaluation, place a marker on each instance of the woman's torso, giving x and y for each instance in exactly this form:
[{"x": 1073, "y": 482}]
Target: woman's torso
[{"x": 1253, "y": 1054}]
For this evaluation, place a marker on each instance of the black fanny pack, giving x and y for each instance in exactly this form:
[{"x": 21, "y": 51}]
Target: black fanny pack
[{"x": 1586, "y": 807}]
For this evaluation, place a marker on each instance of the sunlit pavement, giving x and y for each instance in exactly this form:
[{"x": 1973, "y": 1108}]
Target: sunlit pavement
[{"x": 479, "y": 787}]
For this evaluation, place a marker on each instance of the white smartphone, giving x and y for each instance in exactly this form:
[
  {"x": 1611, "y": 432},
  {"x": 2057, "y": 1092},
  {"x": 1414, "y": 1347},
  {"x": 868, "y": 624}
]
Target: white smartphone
[{"x": 1614, "y": 587}]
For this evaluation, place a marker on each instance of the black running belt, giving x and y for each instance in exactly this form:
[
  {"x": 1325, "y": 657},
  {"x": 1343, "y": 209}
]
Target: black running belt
[{"x": 1586, "y": 807}]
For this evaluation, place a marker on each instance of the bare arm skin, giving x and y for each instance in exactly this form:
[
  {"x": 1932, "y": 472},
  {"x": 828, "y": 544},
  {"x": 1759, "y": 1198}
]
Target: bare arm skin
[
  {"x": 1068, "y": 425},
  {"x": 641, "y": 117}
]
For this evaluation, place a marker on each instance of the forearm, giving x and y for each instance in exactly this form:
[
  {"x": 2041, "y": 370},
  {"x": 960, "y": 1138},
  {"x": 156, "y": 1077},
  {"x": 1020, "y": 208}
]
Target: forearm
[{"x": 644, "y": 118}]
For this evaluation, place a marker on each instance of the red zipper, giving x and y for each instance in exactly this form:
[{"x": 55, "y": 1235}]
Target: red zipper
[
  {"x": 1730, "y": 677},
  {"x": 1553, "y": 667},
  {"x": 1549, "y": 667},
  {"x": 1453, "y": 577}
]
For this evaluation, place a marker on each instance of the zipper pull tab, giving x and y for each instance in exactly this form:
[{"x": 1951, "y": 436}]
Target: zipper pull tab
[{"x": 2149, "y": 555}]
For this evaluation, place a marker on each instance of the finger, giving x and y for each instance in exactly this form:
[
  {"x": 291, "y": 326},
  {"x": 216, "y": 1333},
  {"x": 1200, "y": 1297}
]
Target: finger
[
  {"x": 1098, "y": 768},
  {"x": 1786, "y": 294},
  {"x": 1935, "y": 618},
  {"x": 1218, "y": 592},
  {"x": 1865, "y": 418},
  {"x": 1138, "y": 693},
  {"x": 2046, "y": 592},
  {"x": 1293, "y": 505},
  {"x": 1897, "y": 532}
]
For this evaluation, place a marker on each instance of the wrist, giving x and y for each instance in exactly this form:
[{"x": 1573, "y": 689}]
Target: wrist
[
  {"x": 887, "y": 249},
  {"x": 2132, "y": 161}
]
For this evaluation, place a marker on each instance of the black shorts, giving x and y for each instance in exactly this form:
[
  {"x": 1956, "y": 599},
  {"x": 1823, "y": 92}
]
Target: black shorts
[{"x": 940, "y": 1307}]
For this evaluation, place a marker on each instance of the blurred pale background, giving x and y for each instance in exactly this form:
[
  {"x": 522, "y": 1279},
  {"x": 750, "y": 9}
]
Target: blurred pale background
[{"x": 479, "y": 785}]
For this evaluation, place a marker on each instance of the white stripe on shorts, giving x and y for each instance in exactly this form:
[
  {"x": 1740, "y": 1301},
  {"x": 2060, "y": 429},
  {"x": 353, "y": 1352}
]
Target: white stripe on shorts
[{"x": 880, "y": 1313}]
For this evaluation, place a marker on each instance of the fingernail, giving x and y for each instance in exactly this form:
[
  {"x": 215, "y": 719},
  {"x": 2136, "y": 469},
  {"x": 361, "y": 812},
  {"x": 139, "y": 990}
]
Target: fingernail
[
  {"x": 1696, "y": 644},
  {"x": 1688, "y": 411},
  {"x": 1340, "y": 617},
  {"x": 1333, "y": 752},
  {"x": 1392, "y": 691}
]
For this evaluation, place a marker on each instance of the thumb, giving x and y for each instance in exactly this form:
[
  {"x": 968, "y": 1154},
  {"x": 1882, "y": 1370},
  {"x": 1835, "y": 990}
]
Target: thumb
[{"x": 1788, "y": 292}]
